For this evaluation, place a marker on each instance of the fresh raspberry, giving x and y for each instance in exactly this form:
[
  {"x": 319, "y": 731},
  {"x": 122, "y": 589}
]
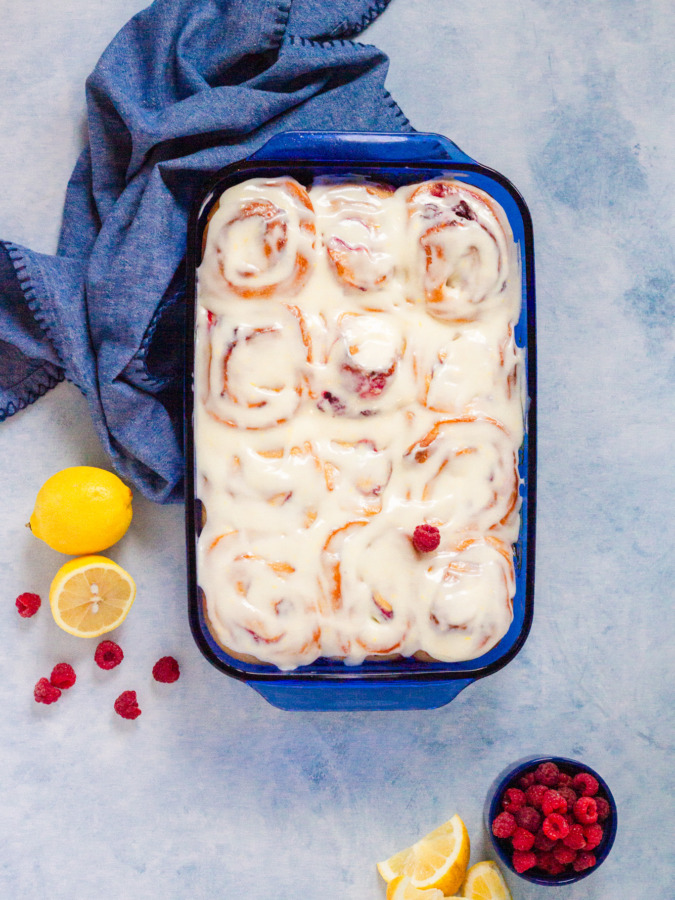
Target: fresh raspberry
[
  {"x": 528, "y": 817},
  {"x": 593, "y": 835},
  {"x": 553, "y": 802},
  {"x": 126, "y": 705},
  {"x": 564, "y": 854},
  {"x": 576, "y": 838},
  {"x": 585, "y": 784},
  {"x": 556, "y": 826},
  {"x": 522, "y": 839},
  {"x": 584, "y": 860},
  {"x": 28, "y": 605},
  {"x": 513, "y": 799},
  {"x": 63, "y": 676},
  {"x": 547, "y": 773},
  {"x": 569, "y": 794},
  {"x": 535, "y": 794},
  {"x": 166, "y": 670},
  {"x": 523, "y": 860},
  {"x": 108, "y": 655},
  {"x": 503, "y": 825},
  {"x": 45, "y": 692},
  {"x": 586, "y": 810},
  {"x": 542, "y": 842},
  {"x": 526, "y": 780},
  {"x": 547, "y": 862},
  {"x": 564, "y": 779},
  {"x": 603, "y": 808},
  {"x": 426, "y": 538}
]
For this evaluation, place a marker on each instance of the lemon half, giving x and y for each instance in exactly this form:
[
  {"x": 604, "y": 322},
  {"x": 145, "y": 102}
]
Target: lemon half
[
  {"x": 438, "y": 860},
  {"x": 91, "y": 595},
  {"x": 81, "y": 510}
]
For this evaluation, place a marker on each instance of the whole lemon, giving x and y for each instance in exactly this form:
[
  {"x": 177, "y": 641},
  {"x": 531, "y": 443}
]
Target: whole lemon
[{"x": 81, "y": 510}]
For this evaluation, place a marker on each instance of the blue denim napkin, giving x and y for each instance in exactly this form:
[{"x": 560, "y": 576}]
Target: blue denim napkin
[{"x": 185, "y": 88}]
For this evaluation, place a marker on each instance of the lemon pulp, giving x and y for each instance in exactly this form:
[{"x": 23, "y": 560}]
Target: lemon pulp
[{"x": 91, "y": 595}]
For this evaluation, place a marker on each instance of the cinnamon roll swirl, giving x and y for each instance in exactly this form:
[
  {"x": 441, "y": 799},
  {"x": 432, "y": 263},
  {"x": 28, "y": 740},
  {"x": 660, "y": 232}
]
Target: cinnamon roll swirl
[
  {"x": 354, "y": 223},
  {"x": 260, "y": 600},
  {"x": 254, "y": 372},
  {"x": 460, "y": 259},
  {"x": 466, "y": 599},
  {"x": 260, "y": 243},
  {"x": 478, "y": 372},
  {"x": 369, "y": 585},
  {"x": 464, "y": 473}
]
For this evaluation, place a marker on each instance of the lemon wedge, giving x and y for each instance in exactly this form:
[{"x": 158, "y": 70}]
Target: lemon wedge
[
  {"x": 401, "y": 889},
  {"x": 438, "y": 860},
  {"x": 91, "y": 595},
  {"x": 484, "y": 881},
  {"x": 81, "y": 510}
]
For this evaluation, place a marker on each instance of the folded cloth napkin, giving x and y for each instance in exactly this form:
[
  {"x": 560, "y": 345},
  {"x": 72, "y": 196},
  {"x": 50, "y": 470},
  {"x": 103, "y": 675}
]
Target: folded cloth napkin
[{"x": 185, "y": 88}]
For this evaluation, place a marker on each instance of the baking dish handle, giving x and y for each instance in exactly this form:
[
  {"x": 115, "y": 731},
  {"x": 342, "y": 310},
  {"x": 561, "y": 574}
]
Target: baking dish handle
[
  {"x": 360, "y": 695},
  {"x": 338, "y": 146}
]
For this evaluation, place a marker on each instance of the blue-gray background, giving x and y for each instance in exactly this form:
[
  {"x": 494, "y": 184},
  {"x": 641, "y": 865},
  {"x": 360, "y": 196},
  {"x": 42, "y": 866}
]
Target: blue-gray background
[{"x": 213, "y": 792}]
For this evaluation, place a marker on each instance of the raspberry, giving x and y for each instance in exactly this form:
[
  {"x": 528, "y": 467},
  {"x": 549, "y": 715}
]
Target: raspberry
[
  {"x": 28, "y": 605},
  {"x": 526, "y": 780},
  {"x": 556, "y": 826},
  {"x": 426, "y": 538},
  {"x": 593, "y": 835},
  {"x": 585, "y": 784},
  {"x": 564, "y": 854},
  {"x": 503, "y": 825},
  {"x": 528, "y": 817},
  {"x": 553, "y": 802},
  {"x": 63, "y": 676},
  {"x": 603, "y": 808},
  {"x": 522, "y": 839},
  {"x": 166, "y": 670},
  {"x": 586, "y": 811},
  {"x": 569, "y": 795},
  {"x": 584, "y": 860},
  {"x": 542, "y": 842},
  {"x": 513, "y": 799},
  {"x": 576, "y": 838},
  {"x": 523, "y": 860},
  {"x": 108, "y": 655},
  {"x": 547, "y": 773},
  {"x": 548, "y": 863},
  {"x": 126, "y": 705},
  {"x": 45, "y": 692},
  {"x": 535, "y": 795},
  {"x": 564, "y": 779}
]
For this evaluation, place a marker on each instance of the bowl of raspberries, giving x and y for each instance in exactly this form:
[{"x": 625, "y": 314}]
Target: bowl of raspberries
[{"x": 552, "y": 820}]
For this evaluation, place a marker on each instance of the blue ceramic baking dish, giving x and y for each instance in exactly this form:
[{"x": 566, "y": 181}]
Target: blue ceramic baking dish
[{"x": 391, "y": 684}]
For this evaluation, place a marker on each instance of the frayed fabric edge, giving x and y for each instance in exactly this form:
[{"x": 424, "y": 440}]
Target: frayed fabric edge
[
  {"x": 46, "y": 375},
  {"x": 34, "y": 392}
]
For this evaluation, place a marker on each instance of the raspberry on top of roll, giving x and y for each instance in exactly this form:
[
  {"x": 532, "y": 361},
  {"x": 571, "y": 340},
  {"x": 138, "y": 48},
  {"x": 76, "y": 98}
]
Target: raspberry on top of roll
[{"x": 358, "y": 413}]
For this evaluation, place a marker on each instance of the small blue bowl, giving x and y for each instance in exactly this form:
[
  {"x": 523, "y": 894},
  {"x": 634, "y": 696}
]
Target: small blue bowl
[{"x": 509, "y": 778}]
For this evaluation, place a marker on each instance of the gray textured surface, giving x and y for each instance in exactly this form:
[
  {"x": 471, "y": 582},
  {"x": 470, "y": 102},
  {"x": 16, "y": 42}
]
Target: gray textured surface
[{"x": 212, "y": 792}]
